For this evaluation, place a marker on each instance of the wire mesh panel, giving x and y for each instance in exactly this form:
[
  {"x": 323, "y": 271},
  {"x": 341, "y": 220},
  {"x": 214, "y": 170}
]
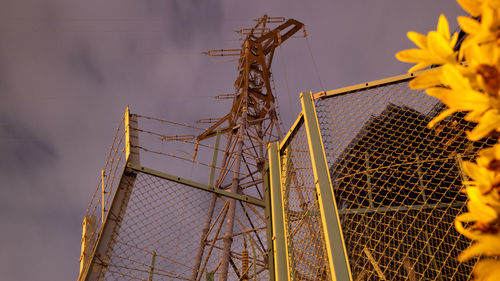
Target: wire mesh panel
[
  {"x": 161, "y": 232},
  {"x": 396, "y": 182},
  {"x": 303, "y": 227}
]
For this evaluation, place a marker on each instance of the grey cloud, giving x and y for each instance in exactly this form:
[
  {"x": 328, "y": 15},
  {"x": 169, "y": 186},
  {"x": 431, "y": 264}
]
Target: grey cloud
[
  {"x": 189, "y": 20},
  {"x": 4, "y": 80},
  {"x": 83, "y": 62},
  {"x": 23, "y": 148}
]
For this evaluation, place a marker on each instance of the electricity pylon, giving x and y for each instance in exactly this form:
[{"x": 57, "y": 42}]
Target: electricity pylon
[{"x": 250, "y": 125}]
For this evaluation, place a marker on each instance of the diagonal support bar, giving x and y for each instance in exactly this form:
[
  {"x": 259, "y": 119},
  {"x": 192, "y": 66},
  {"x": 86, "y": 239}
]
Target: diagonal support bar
[
  {"x": 334, "y": 240},
  {"x": 218, "y": 191},
  {"x": 281, "y": 263}
]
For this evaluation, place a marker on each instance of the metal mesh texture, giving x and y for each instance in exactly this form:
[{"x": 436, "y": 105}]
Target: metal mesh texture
[
  {"x": 161, "y": 230},
  {"x": 397, "y": 183},
  {"x": 305, "y": 238}
]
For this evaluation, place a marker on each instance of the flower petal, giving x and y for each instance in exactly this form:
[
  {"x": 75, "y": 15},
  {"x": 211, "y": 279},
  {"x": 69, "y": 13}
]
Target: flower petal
[
  {"x": 453, "y": 78},
  {"x": 489, "y": 122},
  {"x": 472, "y": 170},
  {"x": 466, "y": 100},
  {"x": 440, "y": 117},
  {"x": 487, "y": 17},
  {"x": 479, "y": 210},
  {"x": 469, "y": 25},
  {"x": 473, "y": 7},
  {"x": 467, "y": 218},
  {"x": 453, "y": 40},
  {"x": 443, "y": 28},
  {"x": 439, "y": 46},
  {"x": 419, "y": 66},
  {"x": 496, "y": 149},
  {"x": 487, "y": 245},
  {"x": 487, "y": 155},
  {"x": 419, "y": 39},
  {"x": 438, "y": 92},
  {"x": 427, "y": 79},
  {"x": 415, "y": 55},
  {"x": 487, "y": 270}
]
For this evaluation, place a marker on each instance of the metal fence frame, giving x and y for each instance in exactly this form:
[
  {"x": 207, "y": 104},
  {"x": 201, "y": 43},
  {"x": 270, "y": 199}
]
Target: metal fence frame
[
  {"x": 101, "y": 246},
  {"x": 336, "y": 248},
  {"x": 336, "y": 251},
  {"x": 337, "y": 256}
]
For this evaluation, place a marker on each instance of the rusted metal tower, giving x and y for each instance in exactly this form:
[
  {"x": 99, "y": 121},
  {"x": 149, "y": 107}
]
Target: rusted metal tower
[{"x": 250, "y": 125}]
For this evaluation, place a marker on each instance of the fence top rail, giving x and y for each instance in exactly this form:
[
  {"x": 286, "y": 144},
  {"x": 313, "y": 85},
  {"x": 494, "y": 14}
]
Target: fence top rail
[{"x": 366, "y": 85}]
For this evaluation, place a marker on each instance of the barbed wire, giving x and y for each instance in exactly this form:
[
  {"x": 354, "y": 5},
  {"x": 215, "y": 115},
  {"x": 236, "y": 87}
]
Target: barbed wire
[
  {"x": 172, "y": 138},
  {"x": 168, "y": 122},
  {"x": 165, "y": 137},
  {"x": 183, "y": 158},
  {"x": 112, "y": 148}
]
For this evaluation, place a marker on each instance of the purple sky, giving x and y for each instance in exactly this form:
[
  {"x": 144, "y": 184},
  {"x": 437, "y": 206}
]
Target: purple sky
[{"x": 68, "y": 69}]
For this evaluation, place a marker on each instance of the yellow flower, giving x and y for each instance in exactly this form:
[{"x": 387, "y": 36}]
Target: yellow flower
[
  {"x": 435, "y": 48},
  {"x": 459, "y": 96},
  {"x": 469, "y": 83}
]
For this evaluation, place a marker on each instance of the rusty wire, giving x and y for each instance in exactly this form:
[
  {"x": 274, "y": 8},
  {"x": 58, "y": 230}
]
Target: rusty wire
[{"x": 168, "y": 122}]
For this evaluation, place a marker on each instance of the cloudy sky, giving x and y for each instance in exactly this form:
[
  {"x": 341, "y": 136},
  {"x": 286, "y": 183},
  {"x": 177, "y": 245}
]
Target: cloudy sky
[{"x": 69, "y": 68}]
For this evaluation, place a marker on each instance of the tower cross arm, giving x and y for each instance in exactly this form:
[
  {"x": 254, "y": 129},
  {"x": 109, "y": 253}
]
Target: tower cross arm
[{"x": 276, "y": 37}]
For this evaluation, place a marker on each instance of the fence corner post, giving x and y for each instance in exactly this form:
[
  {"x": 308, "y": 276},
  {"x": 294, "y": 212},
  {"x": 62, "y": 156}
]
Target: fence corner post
[
  {"x": 334, "y": 240},
  {"x": 131, "y": 138},
  {"x": 280, "y": 252}
]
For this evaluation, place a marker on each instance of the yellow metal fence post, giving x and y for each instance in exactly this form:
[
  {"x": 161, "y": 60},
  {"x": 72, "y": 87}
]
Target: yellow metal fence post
[
  {"x": 334, "y": 240},
  {"x": 131, "y": 138},
  {"x": 280, "y": 249}
]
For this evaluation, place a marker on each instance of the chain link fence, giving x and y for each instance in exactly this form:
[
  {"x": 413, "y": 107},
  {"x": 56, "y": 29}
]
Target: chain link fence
[
  {"x": 396, "y": 182},
  {"x": 161, "y": 232},
  {"x": 306, "y": 254},
  {"x": 156, "y": 240}
]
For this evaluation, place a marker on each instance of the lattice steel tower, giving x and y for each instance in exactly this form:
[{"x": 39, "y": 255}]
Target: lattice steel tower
[{"x": 251, "y": 124}]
